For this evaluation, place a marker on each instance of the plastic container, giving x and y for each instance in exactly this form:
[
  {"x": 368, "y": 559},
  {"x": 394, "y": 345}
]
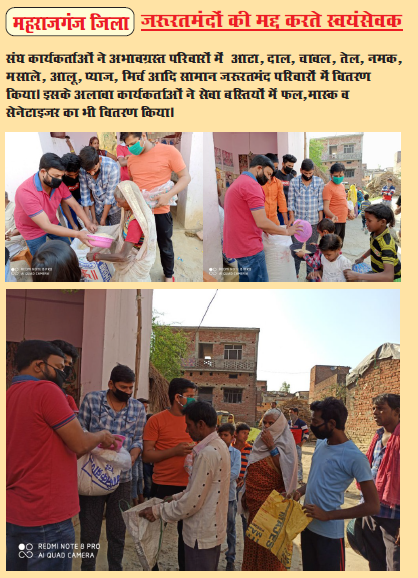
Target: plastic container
[
  {"x": 99, "y": 241},
  {"x": 362, "y": 268},
  {"x": 306, "y": 233},
  {"x": 119, "y": 441}
]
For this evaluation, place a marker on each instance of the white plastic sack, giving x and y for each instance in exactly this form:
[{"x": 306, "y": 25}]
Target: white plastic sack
[
  {"x": 99, "y": 471},
  {"x": 279, "y": 260},
  {"x": 147, "y": 536},
  {"x": 96, "y": 270}
]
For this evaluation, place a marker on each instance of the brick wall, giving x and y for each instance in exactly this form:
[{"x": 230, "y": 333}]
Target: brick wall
[
  {"x": 323, "y": 379},
  {"x": 333, "y": 386},
  {"x": 219, "y": 380},
  {"x": 381, "y": 377},
  {"x": 221, "y": 337}
]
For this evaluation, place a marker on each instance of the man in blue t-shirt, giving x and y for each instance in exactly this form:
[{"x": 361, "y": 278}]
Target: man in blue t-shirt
[{"x": 336, "y": 462}]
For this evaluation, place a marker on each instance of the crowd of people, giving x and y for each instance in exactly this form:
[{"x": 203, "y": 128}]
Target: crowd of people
[
  {"x": 74, "y": 195},
  {"x": 203, "y": 473},
  {"x": 275, "y": 201}
]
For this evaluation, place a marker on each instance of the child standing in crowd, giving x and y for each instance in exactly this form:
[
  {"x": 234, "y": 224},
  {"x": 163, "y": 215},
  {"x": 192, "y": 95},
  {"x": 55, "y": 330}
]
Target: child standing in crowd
[
  {"x": 387, "y": 193},
  {"x": 364, "y": 204},
  {"x": 383, "y": 251},
  {"x": 226, "y": 432},
  {"x": 333, "y": 263},
  {"x": 324, "y": 227},
  {"x": 240, "y": 443}
]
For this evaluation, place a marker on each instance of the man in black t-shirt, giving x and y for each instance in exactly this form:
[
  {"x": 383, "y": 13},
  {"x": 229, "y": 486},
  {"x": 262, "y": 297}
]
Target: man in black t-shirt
[{"x": 285, "y": 174}]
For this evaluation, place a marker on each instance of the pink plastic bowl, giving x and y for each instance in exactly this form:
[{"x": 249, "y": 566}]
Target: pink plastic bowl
[
  {"x": 98, "y": 241},
  {"x": 119, "y": 441},
  {"x": 306, "y": 233}
]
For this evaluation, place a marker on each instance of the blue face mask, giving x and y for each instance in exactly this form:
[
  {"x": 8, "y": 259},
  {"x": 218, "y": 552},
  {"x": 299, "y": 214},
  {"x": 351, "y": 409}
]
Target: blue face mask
[
  {"x": 337, "y": 180},
  {"x": 136, "y": 149}
]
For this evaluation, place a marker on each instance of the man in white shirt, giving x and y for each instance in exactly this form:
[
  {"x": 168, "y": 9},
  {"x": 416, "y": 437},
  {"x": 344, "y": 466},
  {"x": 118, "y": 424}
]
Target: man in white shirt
[{"x": 203, "y": 506}]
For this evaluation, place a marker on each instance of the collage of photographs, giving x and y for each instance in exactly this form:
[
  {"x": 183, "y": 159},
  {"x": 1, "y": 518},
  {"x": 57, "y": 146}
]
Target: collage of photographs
[{"x": 205, "y": 426}]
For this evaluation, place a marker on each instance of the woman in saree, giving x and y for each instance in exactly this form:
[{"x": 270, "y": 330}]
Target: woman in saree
[
  {"x": 272, "y": 465},
  {"x": 136, "y": 237}
]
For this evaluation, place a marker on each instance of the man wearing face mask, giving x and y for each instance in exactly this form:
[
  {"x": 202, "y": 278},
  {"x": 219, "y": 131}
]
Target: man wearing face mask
[
  {"x": 336, "y": 462},
  {"x": 150, "y": 166},
  {"x": 99, "y": 177},
  {"x": 116, "y": 410},
  {"x": 305, "y": 203},
  {"x": 166, "y": 445},
  {"x": 285, "y": 175},
  {"x": 71, "y": 179},
  {"x": 37, "y": 201},
  {"x": 246, "y": 219},
  {"x": 335, "y": 200},
  {"x": 70, "y": 357},
  {"x": 44, "y": 440}
]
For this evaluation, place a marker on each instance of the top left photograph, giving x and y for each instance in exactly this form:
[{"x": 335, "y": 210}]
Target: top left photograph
[{"x": 106, "y": 206}]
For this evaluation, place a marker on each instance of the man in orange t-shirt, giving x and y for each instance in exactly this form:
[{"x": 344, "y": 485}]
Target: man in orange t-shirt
[
  {"x": 166, "y": 445},
  {"x": 150, "y": 165},
  {"x": 335, "y": 200}
]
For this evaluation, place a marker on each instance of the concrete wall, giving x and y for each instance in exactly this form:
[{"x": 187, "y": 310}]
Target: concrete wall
[
  {"x": 241, "y": 143},
  {"x": 212, "y": 248},
  {"x": 381, "y": 377},
  {"x": 22, "y": 153},
  {"x": 290, "y": 143},
  {"x": 190, "y": 203},
  {"x": 103, "y": 323}
]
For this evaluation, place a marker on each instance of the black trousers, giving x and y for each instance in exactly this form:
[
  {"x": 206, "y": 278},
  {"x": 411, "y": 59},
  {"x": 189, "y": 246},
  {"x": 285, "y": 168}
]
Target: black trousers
[
  {"x": 164, "y": 226},
  {"x": 379, "y": 535},
  {"x": 340, "y": 230},
  {"x": 162, "y": 491},
  {"x": 91, "y": 517},
  {"x": 321, "y": 553},
  {"x": 202, "y": 560}
]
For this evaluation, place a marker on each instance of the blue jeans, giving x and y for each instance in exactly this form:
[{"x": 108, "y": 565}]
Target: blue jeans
[
  {"x": 231, "y": 535},
  {"x": 148, "y": 471},
  {"x": 137, "y": 479},
  {"x": 253, "y": 269},
  {"x": 34, "y": 244},
  {"x": 40, "y": 548},
  {"x": 300, "y": 469}
]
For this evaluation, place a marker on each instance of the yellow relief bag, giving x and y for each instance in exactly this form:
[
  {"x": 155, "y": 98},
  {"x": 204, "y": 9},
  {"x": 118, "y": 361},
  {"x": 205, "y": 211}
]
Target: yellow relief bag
[{"x": 276, "y": 525}]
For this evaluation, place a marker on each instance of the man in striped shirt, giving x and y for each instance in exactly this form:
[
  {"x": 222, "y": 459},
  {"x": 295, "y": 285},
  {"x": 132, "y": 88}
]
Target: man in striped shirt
[
  {"x": 242, "y": 432},
  {"x": 300, "y": 432}
]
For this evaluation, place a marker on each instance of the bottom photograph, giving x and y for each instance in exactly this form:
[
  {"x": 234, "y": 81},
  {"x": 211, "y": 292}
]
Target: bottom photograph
[{"x": 202, "y": 430}]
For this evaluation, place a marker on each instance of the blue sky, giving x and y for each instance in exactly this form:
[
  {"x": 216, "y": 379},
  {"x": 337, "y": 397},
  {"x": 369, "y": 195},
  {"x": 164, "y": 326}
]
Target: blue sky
[
  {"x": 300, "y": 328},
  {"x": 378, "y": 147}
]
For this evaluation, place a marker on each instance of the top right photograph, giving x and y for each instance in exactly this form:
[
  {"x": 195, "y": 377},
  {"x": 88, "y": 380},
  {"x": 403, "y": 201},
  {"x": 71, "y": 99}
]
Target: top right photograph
[{"x": 302, "y": 207}]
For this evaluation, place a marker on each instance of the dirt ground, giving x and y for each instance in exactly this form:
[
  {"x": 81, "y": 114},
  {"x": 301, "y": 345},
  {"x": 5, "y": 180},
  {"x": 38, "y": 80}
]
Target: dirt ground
[
  {"x": 168, "y": 554},
  {"x": 188, "y": 260},
  {"x": 188, "y": 257}
]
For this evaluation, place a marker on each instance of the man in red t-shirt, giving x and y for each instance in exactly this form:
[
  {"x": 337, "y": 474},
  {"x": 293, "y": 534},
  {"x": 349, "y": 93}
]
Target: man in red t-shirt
[
  {"x": 37, "y": 200},
  {"x": 43, "y": 442},
  {"x": 246, "y": 219},
  {"x": 166, "y": 445}
]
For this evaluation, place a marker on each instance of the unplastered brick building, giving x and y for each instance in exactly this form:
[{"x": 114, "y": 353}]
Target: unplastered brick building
[
  {"x": 222, "y": 362},
  {"x": 378, "y": 373},
  {"x": 327, "y": 380},
  {"x": 346, "y": 149}
]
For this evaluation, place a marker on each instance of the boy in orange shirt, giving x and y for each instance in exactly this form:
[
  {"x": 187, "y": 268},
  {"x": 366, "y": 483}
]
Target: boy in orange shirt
[
  {"x": 150, "y": 165},
  {"x": 166, "y": 445},
  {"x": 275, "y": 198}
]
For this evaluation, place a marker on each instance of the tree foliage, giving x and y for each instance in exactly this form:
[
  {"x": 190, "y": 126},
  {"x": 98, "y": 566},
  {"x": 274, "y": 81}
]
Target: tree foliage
[
  {"x": 285, "y": 387},
  {"x": 316, "y": 149},
  {"x": 168, "y": 347}
]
